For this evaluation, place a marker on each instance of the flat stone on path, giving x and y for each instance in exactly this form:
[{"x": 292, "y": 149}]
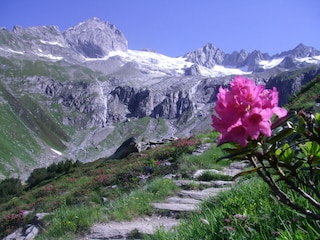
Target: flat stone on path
[
  {"x": 176, "y": 207},
  {"x": 202, "y": 195},
  {"x": 120, "y": 230}
]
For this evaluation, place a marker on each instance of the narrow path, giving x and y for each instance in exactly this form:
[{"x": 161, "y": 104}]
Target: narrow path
[{"x": 167, "y": 213}]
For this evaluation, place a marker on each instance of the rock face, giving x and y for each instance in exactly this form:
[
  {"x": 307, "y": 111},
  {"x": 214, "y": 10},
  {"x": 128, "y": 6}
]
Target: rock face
[
  {"x": 300, "y": 51},
  {"x": 207, "y": 56},
  {"x": 127, "y": 147},
  {"x": 95, "y": 39},
  {"x": 288, "y": 83}
]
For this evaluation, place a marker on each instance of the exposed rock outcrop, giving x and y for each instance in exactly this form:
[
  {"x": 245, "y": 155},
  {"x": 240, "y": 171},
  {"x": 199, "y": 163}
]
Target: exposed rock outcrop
[
  {"x": 95, "y": 39},
  {"x": 127, "y": 147}
]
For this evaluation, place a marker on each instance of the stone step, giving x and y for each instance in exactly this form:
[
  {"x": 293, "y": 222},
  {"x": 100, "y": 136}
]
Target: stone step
[
  {"x": 216, "y": 183},
  {"x": 182, "y": 200},
  {"x": 176, "y": 207},
  {"x": 121, "y": 230},
  {"x": 222, "y": 183},
  {"x": 202, "y": 195},
  {"x": 201, "y": 149}
]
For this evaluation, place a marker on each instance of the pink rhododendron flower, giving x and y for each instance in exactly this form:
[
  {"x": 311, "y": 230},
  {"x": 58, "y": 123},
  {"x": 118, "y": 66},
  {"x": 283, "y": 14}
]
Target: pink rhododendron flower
[{"x": 245, "y": 111}]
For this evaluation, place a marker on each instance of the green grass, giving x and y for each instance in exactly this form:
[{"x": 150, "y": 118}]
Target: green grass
[
  {"x": 137, "y": 203},
  {"x": 16, "y": 141},
  {"x": 59, "y": 71},
  {"x": 211, "y": 176},
  {"x": 307, "y": 97},
  {"x": 189, "y": 163},
  {"x": 68, "y": 220},
  {"x": 72, "y": 220},
  {"x": 24, "y": 127}
]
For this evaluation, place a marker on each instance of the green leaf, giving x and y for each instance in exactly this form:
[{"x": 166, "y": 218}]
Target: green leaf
[
  {"x": 281, "y": 135},
  {"x": 301, "y": 127},
  {"x": 246, "y": 172},
  {"x": 311, "y": 150},
  {"x": 317, "y": 119},
  {"x": 285, "y": 154}
]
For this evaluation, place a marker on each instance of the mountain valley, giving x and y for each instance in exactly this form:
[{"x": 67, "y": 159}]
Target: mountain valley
[{"x": 80, "y": 93}]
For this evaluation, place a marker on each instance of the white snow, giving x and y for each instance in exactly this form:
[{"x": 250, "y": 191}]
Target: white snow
[
  {"x": 56, "y": 151},
  {"x": 50, "y": 56},
  {"x": 315, "y": 59},
  {"x": 12, "y": 51},
  {"x": 161, "y": 64},
  {"x": 39, "y": 50},
  {"x": 219, "y": 70},
  {"x": 266, "y": 64},
  {"x": 52, "y": 43}
]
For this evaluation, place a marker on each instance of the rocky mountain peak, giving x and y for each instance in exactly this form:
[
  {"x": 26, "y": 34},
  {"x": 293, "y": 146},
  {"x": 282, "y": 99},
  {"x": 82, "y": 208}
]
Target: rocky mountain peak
[
  {"x": 47, "y": 33},
  {"x": 300, "y": 51},
  {"x": 95, "y": 38},
  {"x": 207, "y": 56}
]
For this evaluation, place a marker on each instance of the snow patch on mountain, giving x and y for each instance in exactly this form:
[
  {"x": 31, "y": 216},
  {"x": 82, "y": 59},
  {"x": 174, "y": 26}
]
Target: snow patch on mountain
[
  {"x": 11, "y": 51},
  {"x": 219, "y": 70},
  {"x": 56, "y": 151},
  {"x": 52, "y": 43},
  {"x": 162, "y": 65},
  {"x": 267, "y": 64},
  {"x": 50, "y": 56},
  {"x": 314, "y": 59}
]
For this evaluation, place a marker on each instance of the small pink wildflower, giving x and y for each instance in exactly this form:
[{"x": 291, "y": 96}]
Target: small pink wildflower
[{"x": 245, "y": 111}]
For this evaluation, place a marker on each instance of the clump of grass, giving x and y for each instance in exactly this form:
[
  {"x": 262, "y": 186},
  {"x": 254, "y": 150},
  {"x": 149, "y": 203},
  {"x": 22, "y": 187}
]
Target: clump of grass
[
  {"x": 207, "y": 160},
  {"x": 68, "y": 220},
  {"x": 211, "y": 176},
  {"x": 138, "y": 202}
]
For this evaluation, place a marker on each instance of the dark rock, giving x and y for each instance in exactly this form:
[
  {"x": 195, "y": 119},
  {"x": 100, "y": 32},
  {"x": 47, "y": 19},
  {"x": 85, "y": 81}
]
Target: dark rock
[{"x": 127, "y": 147}]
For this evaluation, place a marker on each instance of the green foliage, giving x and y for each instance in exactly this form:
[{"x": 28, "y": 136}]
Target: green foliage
[
  {"x": 307, "y": 97},
  {"x": 39, "y": 175},
  {"x": 9, "y": 188},
  {"x": 211, "y": 176},
  {"x": 10, "y": 223},
  {"x": 290, "y": 157}
]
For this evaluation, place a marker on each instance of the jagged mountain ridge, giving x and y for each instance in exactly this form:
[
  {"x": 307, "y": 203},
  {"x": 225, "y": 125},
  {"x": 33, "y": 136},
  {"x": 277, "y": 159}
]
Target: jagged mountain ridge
[
  {"x": 98, "y": 40},
  {"x": 88, "y": 85}
]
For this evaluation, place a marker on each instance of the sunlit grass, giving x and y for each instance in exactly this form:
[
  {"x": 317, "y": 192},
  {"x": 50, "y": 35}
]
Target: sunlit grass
[{"x": 138, "y": 202}]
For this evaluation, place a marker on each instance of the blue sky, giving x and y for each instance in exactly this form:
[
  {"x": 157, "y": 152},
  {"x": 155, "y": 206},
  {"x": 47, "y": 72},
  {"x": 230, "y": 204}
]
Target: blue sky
[{"x": 175, "y": 27}]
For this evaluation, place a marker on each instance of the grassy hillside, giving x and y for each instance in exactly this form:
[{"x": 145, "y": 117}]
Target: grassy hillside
[
  {"x": 308, "y": 97},
  {"x": 61, "y": 71},
  {"x": 25, "y": 128},
  {"x": 103, "y": 191}
]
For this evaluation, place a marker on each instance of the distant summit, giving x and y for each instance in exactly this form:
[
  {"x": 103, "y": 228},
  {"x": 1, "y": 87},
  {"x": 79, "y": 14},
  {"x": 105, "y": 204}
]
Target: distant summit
[
  {"x": 209, "y": 56},
  {"x": 95, "y": 38}
]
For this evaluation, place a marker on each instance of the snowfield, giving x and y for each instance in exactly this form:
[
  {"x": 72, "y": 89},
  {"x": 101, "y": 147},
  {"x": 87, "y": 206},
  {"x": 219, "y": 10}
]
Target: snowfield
[{"x": 162, "y": 65}]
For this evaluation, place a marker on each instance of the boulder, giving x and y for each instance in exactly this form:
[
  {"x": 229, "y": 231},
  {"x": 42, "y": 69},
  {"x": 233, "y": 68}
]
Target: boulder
[{"x": 127, "y": 147}]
